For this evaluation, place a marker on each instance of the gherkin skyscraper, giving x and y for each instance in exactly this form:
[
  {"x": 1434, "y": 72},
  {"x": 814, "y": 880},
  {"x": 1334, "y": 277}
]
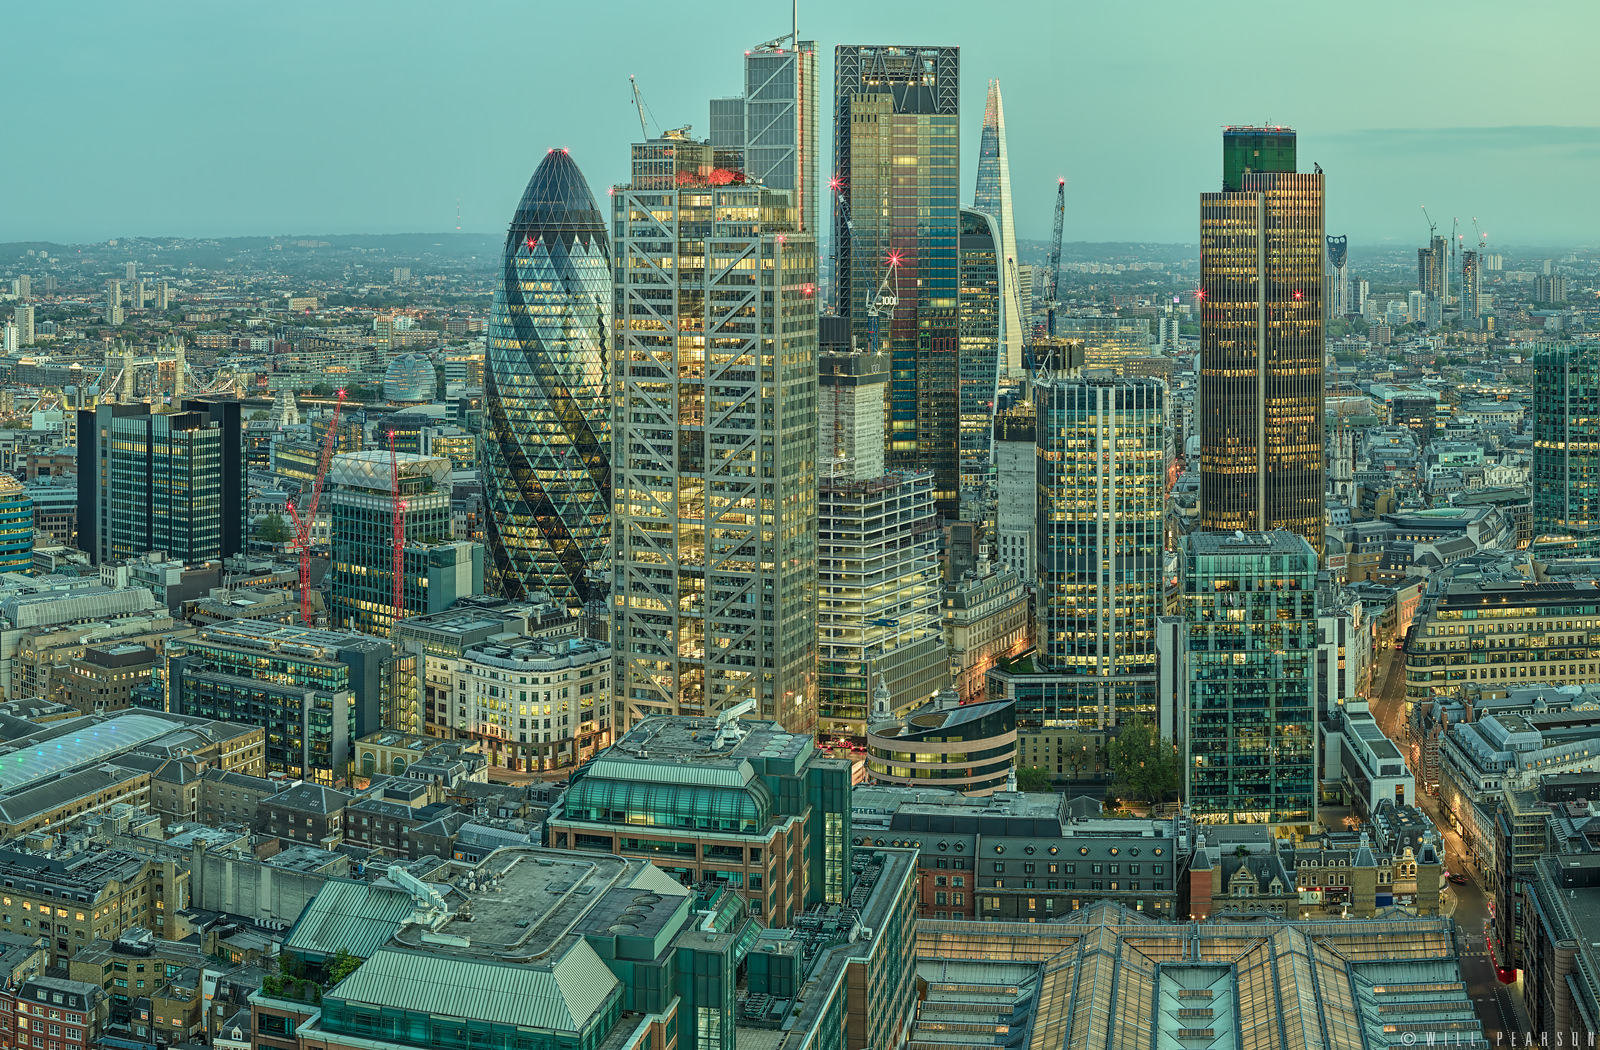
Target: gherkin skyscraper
[{"x": 547, "y": 455}]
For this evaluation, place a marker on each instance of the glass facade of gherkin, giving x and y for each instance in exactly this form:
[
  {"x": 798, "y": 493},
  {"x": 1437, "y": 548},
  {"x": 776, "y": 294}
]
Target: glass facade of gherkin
[{"x": 547, "y": 462}]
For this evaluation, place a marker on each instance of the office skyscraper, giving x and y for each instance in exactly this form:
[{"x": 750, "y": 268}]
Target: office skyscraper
[
  {"x": 715, "y": 451},
  {"x": 877, "y": 560},
  {"x": 774, "y": 124},
  {"x": 980, "y": 345},
  {"x": 547, "y": 453},
  {"x": 1339, "y": 260},
  {"x": 897, "y": 163},
  {"x": 1103, "y": 449},
  {"x": 993, "y": 195},
  {"x": 1566, "y": 439},
  {"x": 171, "y": 482},
  {"x": 1433, "y": 269},
  {"x": 1248, "y": 656},
  {"x": 437, "y": 569},
  {"x": 1261, "y": 340}
]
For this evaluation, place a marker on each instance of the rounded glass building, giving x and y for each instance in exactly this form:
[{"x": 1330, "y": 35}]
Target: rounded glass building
[
  {"x": 410, "y": 380},
  {"x": 547, "y": 465}
]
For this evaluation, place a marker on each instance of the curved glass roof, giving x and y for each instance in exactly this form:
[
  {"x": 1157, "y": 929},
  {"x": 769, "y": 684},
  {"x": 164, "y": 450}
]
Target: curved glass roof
[
  {"x": 26, "y": 765},
  {"x": 746, "y": 809}
]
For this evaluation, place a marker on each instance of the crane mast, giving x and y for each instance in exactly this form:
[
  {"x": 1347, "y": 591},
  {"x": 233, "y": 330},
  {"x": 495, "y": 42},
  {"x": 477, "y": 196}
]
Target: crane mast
[
  {"x": 302, "y": 526},
  {"x": 1055, "y": 258}
]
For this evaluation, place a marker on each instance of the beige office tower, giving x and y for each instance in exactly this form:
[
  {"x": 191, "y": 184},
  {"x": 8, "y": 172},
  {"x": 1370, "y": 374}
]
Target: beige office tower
[{"x": 714, "y": 444}]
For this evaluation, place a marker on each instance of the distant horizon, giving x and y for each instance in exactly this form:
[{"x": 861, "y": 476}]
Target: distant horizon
[{"x": 1395, "y": 242}]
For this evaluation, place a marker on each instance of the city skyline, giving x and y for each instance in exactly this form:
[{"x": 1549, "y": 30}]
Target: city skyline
[{"x": 1129, "y": 102}]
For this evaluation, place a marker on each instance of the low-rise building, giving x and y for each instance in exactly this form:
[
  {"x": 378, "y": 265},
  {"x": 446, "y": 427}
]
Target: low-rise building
[
  {"x": 305, "y": 812},
  {"x": 740, "y": 803},
  {"x": 73, "y": 899},
  {"x": 985, "y": 619},
  {"x": 106, "y": 677},
  {"x": 51, "y": 1012},
  {"x": 1023, "y": 857},
  {"x": 971, "y": 748}
]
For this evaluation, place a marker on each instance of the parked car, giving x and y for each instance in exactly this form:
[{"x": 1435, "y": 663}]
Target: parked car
[{"x": 1459, "y": 880}]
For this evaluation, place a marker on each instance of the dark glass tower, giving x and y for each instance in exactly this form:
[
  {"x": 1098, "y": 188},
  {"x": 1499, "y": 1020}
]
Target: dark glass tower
[
  {"x": 1261, "y": 341},
  {"x": 897, "y": 163},
  {"x": 1566, "y": 440},
  {"x": 547, "y": 457},
  {"x": 981, "y": 350}
]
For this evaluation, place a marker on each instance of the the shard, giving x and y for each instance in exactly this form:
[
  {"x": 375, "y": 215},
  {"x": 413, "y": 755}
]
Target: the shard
[
  {"x": 547, "y": 457},
  {"x": 993, "y": 195}
]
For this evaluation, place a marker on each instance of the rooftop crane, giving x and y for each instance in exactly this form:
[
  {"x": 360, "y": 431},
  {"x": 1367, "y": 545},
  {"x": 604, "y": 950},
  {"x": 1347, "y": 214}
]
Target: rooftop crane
[
  {"x": 302, "y": 526},
  {"x": 399, "y": 567},
  {"x": 639, "y": 103},
  {"x": 883, "y": 303},
  {"x": 1483, "y": 238},
  {"x": 1055, "y": 258},
  {"x": 1433, "y": 227}
]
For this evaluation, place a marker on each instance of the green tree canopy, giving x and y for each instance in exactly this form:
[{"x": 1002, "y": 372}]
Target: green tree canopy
[
  {"x": 1145, "y": 767},
  {"x": 1032, "y": 778},
  {"x": 273, "y": 529}
]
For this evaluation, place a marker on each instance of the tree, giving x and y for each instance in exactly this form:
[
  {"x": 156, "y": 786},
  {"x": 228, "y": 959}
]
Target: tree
[
  {"x": 1078, "y": 750},
  {"x": 1144, "y": 765},
  {"x": 273, "y": 529},
  {"x": 1032, "y": 778},
  {"x": 343, "y": 965},
  {"x": 258, "y": 415}
]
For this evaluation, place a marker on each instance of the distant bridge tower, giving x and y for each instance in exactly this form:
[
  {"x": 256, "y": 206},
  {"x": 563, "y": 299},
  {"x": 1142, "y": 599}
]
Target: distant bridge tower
[{"x": 1338, "y": 257}]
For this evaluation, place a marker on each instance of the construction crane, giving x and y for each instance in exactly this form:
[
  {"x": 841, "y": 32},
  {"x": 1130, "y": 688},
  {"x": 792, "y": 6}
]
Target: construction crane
[
  {"x": 1433, "y": 227},
  {"x": 1483, "y": 238},
  {"x": 1055, "y": 259},
  {"x": 883, "y": 303},
  {"x": 639, "y": 104},
  {"x": 399, "y": 567},
  {"x": 302, "y": 526}
]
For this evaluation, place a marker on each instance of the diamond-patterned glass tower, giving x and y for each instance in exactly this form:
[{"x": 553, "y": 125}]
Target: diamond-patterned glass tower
[{"x": 547, "y": 461}]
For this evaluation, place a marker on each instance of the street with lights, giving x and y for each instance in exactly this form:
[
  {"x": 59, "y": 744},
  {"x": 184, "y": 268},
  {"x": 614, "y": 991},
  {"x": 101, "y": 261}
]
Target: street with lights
[{"x": 1499, "y": 1007}]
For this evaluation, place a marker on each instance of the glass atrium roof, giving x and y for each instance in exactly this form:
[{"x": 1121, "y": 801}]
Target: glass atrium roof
[{"x": 23, "y": 766}]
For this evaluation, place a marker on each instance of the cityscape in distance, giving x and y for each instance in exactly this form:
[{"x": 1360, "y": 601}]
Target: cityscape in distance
[{"x": 945, "y": 542}]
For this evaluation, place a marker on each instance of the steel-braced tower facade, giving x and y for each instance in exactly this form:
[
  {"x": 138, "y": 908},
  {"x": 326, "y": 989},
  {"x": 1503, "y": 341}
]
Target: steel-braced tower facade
[
  {"x": 715, "y": 452},
  {"x": 1262, "y": 464},
  {"x": 993, "y": 195},
  {"x": 897, "y": 162},
  {"x": 547, "y": 457}
]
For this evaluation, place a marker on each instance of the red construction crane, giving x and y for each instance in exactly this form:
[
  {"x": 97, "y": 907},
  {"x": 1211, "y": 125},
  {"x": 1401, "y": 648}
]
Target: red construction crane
[
  {"x": 399, "y": 569},
  {"x": 302, "y": 526}
]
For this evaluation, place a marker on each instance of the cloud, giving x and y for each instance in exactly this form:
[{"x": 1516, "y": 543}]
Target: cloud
[{"x": 1580, "y": 141}]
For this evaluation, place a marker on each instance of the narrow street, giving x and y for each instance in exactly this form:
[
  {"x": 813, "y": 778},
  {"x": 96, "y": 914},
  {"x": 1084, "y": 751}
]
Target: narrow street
[{"x": 1499, "y": 1008}]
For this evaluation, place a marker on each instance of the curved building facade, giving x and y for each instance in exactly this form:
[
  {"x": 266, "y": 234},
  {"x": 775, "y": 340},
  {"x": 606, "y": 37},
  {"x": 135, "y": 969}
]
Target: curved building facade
[
  {"x": 970, "y": 749},
  {"x": 410, "y": 380},
  {"x": 547, "y": 462}
]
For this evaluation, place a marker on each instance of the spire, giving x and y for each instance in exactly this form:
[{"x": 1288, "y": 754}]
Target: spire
[
  {"x": 993, "y": 195},
  {"x": 882, "y": 701}
]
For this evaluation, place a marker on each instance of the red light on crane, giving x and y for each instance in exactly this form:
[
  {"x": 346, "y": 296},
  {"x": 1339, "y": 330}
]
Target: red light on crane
[
  {"x": 1298, "y": 294},
  {"x": 1200, "y": 295},
  {"x": 835, "y": 182},
  {"x": 894, "y": 258}
]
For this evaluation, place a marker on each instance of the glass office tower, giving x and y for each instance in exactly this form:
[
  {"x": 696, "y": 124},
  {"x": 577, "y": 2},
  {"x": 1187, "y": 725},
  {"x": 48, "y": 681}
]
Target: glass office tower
[
  {"x": 715, "y": 445},
  {"x": 547, "y": 454},
  {"x": 897, "y": 166},
  {"x": 980, "y": 354},
  {"x": 161, "y": 481},
  {"x": 993, "y": 196},
  {"x": 1103, "y": 450},
  {"x": 1261, "y": 341},
  {"x": 1250, "y": 605},
  {"x": 1566, "y": 440}
]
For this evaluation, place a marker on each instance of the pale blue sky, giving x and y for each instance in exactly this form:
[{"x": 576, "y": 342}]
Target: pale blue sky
[{"x": 345, "y": 116}]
